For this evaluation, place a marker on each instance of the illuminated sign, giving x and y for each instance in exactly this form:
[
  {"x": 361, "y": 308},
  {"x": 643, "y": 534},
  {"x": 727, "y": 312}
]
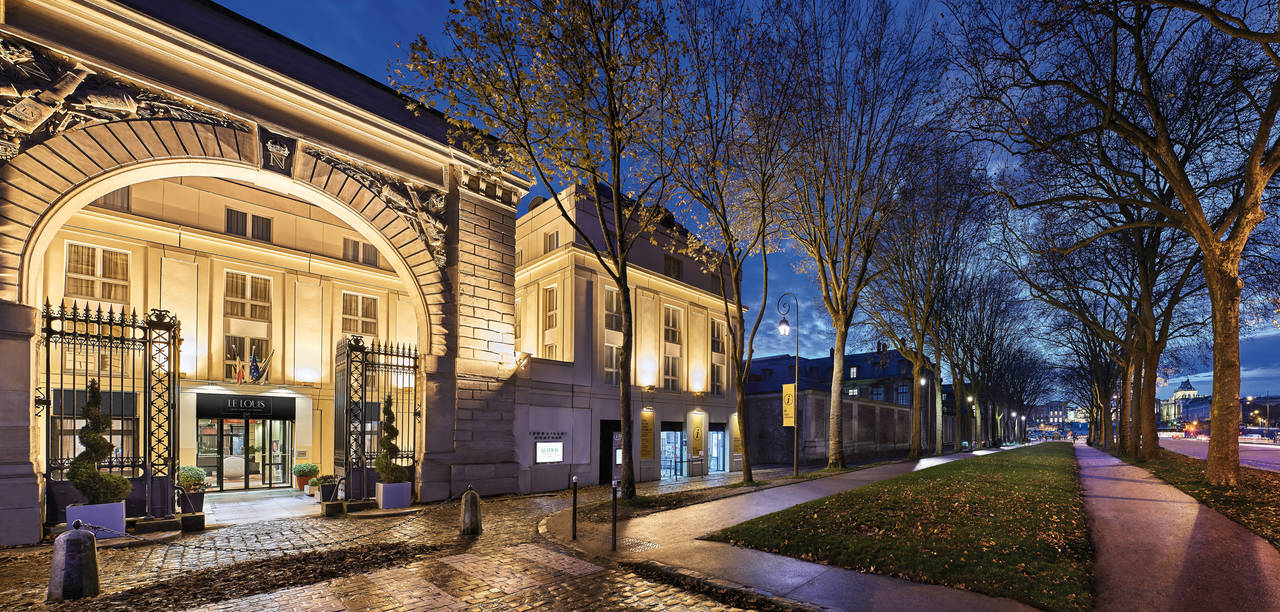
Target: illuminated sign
[{"x": 548, "y": 452}]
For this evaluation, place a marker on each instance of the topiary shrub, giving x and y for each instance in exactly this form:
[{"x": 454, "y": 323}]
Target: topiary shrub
[
  {"x": 388, "y": 470},
  {"x": 191, "y": 478},
  {"x": 97, "y": 487},
  {"x": 306, "y": 469}
]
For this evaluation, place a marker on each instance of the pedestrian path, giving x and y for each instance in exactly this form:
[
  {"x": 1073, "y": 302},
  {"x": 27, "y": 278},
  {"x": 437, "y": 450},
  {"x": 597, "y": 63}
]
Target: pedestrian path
[
  {"x": 1157, "y": 548},
  {"x": 671, "y": 538}
]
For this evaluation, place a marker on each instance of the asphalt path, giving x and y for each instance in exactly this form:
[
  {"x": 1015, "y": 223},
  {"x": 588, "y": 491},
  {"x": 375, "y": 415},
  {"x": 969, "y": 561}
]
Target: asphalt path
[{"x": 1256, "y": 455}]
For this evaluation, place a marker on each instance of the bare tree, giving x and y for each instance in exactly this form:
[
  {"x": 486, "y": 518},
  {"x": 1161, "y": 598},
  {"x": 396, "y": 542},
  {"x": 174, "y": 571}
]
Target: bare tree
[
  {"x": 1191, "y": 87},
  {"x": 861, "y": 89},
  {"x": 936, "y": 222},
  {"x": 730, "y": 120},
  {"x": 574, "y": 91}
]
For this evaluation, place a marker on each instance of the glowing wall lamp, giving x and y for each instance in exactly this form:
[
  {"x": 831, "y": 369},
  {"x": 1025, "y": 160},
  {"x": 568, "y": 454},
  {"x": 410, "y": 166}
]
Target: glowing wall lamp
[{"x": 647, "y": 372}]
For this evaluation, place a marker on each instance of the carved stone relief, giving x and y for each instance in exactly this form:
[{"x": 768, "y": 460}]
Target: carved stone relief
[
  {"x": 422, "y": 208},
  {"x": 42, "y": 95},
  {"x": 277, "y": 151}
]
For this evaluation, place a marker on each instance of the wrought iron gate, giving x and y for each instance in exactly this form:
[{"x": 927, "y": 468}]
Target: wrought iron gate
[
  {"x": 364, "y": 376},
  {"x": 135, "y": 361}
]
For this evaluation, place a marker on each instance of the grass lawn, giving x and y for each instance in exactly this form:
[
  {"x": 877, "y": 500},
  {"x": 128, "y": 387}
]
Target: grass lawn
[
  {"x": 1255, "y": 503},
  {"x": 1010, "y": 524}
]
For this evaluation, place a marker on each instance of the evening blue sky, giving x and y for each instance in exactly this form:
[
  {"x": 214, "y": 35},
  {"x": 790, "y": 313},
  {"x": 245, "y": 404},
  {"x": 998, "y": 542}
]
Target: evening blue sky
[{"x": 363, "y": 35}]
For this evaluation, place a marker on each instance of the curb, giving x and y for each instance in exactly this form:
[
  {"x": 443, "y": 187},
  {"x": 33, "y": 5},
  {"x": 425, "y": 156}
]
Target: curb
[{"x": 719, "y": 589}]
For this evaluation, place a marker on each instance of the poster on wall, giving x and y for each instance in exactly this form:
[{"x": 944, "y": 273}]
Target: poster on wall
[
  {"x": 548, "y": 452},
  {"x": 646, "y": 434},
  {"x": 696, "y": 424}
]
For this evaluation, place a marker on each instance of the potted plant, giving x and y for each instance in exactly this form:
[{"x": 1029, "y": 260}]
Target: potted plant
[
  {"x": 191, "y": 480},
  {"x": 304, "y": 472},
  {"x": 326, "y": 487},
  {"x": 251, "y": 453},
  {"x": 104, "y": 492},
  {"x": 394, "y": 489}
]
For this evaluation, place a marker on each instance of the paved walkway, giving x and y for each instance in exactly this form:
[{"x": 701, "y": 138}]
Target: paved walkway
[
  {"x": 254, "y": 506},
  {"x": 1156, "y": 548},
  {"x": 670, "y": 537}
]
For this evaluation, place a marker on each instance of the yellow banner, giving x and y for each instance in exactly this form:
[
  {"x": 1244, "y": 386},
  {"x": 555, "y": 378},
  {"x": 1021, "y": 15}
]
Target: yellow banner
[
  {"x": 695, "y": 434},
  {"x": 789, "y": 405},
  {"x": 646, "y": 434}
]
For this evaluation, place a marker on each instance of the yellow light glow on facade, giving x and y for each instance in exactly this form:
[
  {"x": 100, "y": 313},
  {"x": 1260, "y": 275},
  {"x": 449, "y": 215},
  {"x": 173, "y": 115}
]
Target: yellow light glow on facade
[{"x": 647, "y": 372}]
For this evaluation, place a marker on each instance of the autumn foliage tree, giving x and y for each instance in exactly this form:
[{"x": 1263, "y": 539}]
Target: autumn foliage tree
[{"x": 574, "y": 92}]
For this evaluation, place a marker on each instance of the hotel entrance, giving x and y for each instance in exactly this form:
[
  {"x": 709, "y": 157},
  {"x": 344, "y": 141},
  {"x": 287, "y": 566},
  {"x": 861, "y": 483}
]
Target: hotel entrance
[
  {"x": 239, "y": 451},
  {"x": 674, "y": 450}
]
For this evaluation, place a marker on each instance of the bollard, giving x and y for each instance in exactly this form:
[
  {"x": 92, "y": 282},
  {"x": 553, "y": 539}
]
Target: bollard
[
  {"x": 574, "y": 532},
  {"x": 470, "y": 512},
  {"x": 613, "y": 545},
  {"x": 75, "y": 565}
]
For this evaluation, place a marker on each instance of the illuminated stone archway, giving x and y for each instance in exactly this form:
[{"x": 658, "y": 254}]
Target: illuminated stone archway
[{"x": 44, "y": 186}]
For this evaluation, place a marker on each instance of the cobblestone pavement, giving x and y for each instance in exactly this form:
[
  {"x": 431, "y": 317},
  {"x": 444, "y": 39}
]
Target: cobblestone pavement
[{"x": 506, "y": 567}]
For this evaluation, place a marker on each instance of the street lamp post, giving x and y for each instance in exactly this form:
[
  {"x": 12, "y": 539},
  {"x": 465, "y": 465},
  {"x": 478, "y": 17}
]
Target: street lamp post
[{"x": 784, "y": 328}]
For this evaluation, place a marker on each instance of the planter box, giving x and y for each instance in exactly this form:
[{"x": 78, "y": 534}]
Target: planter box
[
  {"x": 336, "y": 508},
  {"x": 192, "y": 522},
  {"x": 308, "y": 489},
  {"x": 191, "y": 502},
  {"x": 303, "y": 482},
  {"x": 327, "y": 492},
  {"x": 110, "y": 516},
  {"x": 394, "y": 494}
]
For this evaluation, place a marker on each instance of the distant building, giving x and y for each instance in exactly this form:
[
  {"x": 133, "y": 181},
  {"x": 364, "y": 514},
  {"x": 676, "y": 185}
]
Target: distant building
[
  {"x": 877, "y": 405},
  {"x": 1171, "y": 410}
]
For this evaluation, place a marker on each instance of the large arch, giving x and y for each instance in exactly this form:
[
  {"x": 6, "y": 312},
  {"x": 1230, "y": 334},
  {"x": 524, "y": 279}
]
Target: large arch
[{"x": 41, "y": 188}]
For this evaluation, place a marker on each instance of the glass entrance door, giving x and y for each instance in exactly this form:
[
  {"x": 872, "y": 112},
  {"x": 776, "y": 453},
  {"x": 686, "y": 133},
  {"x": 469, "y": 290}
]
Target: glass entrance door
[
  {"x": 245, "y": 453},
  {"x": 673, "y": 454},
  {"x": 716, "y": 446}
]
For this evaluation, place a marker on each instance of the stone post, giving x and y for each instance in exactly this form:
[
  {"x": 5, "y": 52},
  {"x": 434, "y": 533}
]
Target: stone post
[
  {"x": 470, "y": 512},
  {"x": 20, "y": 434},
  {"x": 75, "y": 565}
]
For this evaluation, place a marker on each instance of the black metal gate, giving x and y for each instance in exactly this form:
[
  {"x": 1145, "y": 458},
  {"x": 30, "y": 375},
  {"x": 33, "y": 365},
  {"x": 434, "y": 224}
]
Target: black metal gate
[
  {"x": 364, "y": 375},
  {"x": 135, "y": 361}
]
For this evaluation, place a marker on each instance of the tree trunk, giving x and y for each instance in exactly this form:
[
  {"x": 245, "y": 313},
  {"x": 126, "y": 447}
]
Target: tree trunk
[
  {"x": 1135, "y": 405},
  {"x": 917, "y": 407},
  {"x": 835, "y": 421},
  {"x": 1224, "y": 285},
  {"x": 1126, "y": 384},
  {"x": 742, "y": 432},
  {"x": 1147, "y": 409},
  {"x": 959, "y": 397},
  {"x": 628, "y": 476},
  {"x": 937, "y": 401},
  {"x": 1108, "y": 426}
]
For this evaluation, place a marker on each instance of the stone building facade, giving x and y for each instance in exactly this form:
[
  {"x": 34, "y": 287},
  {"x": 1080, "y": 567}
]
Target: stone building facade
[
  {"x": 100, "y": 96},
  {"x": 877, "y": 406},
  {"x": 568, "y": 335}
]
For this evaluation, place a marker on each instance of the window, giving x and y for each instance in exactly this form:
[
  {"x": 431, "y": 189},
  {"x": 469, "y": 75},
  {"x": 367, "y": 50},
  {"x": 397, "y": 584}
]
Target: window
[
  {"x": 359, "y": 314},
  {"x": 351, "y": 250},
  {"x": 612, "y": 310},
  {"x": 671, "y": 372},
  {"x": 262, "y": 228},
  {"x": 672, "y": 267},
  {"x": 612, "y": 357},
  {"x": 247, "y": 297},
  {"x": 717, "y": 379},
  {"x": 237, "y": 222},
  {"x": 671, "y": 324},
  {"x": 358, "y": 252},
  {"x": 877, "y": 393},
  {"x": 116, "y": 200},
  {"x": 97, "y": 274},
  {"x": 904, "y": 395},
  {"x": 853, "y": 372},
  {"x": 717, "y": 337},
  {"x": 550, "y": 321},
  {"x": 550, "y": 241},
  {"x": 240, "y": 352}
]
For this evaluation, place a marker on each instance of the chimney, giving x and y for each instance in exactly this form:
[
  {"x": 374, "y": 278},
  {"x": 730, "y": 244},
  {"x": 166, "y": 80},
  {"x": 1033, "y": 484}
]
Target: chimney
[{"x": 833, "y": 354}]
